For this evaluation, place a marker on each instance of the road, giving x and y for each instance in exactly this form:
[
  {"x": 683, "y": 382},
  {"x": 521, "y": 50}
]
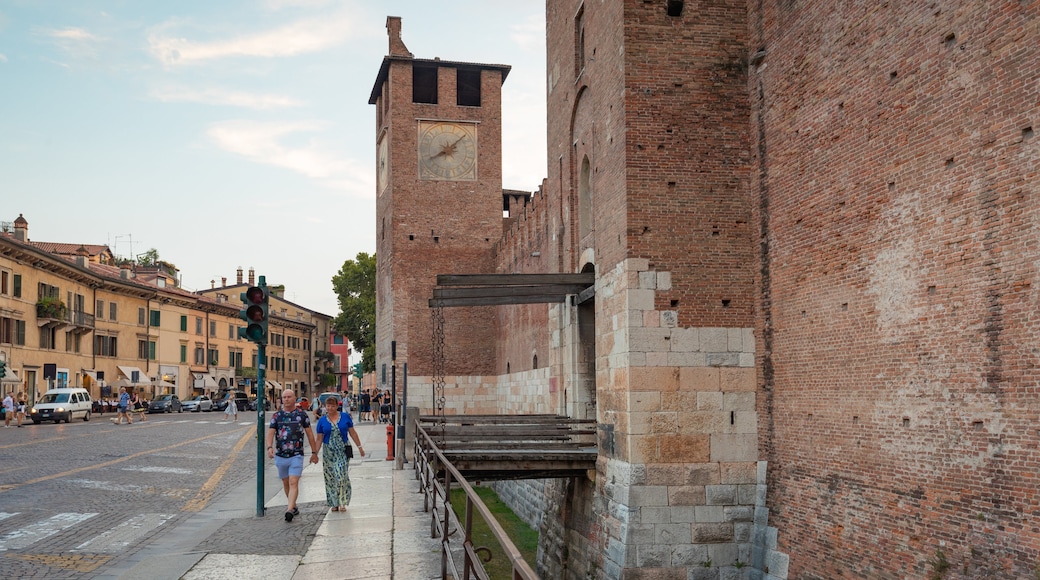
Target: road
[{"x": 92, "y": 499}]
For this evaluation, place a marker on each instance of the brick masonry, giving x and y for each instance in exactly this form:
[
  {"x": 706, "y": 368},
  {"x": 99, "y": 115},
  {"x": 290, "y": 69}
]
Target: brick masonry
[{"x": 814, "y": 230}]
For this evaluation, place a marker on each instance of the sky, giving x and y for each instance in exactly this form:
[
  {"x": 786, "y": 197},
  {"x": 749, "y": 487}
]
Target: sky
[{"x": 234, "y": 133}]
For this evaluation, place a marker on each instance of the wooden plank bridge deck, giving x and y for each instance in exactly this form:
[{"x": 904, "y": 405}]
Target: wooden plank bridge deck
[{"x": 500, "y": 447}]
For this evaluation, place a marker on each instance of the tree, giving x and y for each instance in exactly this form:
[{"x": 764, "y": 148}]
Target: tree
[
  {"x": 149, "y": 258},
  {"x": 355, "y": 287}
]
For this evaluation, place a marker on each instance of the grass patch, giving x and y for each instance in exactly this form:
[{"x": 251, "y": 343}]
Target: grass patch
[{"x": 523, "y": 536}]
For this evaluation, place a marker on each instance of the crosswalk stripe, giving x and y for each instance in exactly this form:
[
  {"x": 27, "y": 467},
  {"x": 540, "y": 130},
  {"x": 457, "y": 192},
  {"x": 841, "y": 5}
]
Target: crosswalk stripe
[
  {"x": 125, "y": 534},
  {"x": 4, "y": 515},
  {"x": 18, "y": 539}
]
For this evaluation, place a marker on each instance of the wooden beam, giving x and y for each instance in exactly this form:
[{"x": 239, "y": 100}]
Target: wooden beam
[
  {"x": 497, "y": 300},
  {"x": 495, "y": 291},
  {"x": 588, "y": 279}
]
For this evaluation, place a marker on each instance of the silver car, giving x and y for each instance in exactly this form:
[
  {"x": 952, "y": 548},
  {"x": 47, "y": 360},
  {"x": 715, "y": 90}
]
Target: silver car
[{"x": 197, "y": 403}]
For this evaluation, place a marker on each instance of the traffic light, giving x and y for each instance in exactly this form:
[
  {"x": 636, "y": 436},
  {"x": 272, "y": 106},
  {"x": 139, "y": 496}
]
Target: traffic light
[
  {"x": 357, "y": 370},
  {"x": 256, "y": 301},
  {"x": 3, "y": 369}
]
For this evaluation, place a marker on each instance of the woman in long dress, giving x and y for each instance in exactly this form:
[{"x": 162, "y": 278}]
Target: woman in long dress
[{"x": 333, "y": 428}]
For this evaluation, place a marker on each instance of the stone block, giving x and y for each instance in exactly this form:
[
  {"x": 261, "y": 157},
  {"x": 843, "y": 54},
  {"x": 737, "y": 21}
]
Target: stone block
[
  {"x": 703, "y": 573},
  {"x": 701, "y": 422},
  {"x": 648, "y": 495},
  {"x": 641, "y": 533},
  {"x": 738, "y": 401},
  {"x": 689, "y": 555},
  {"x": 735, "y": 339},
  {"x": 683, "y": 514},
  {"x": 712, "y": 533},
  {"x": 723, "y": 554},
  {"x": 656, "y": 379},
  {"x": 738, "y": 473},
  {"x": 669, "y": 318},
  {"x": 649, "y": 339},
  {"x": 644, "y": 401},
  {"x": 777, "y": 563},
  {"x": 761, "y": 515},
  {"x": 737, "y": 380},
  {"x": 710, "y": 514},
  {"x": 721, "y": 494},
  {"x": 746, "y": 494},
  {"x": 702, "y": 378},
  {"x": 683, "y": 448},
  {"x": 655, "y": 515},
  {"x": 673, "y": 534},
  {"x": 704, "y": 474},
  {"x": 666, "y": 474},
  {"x": 651, "y": 319},
  {"x": 685, "y": 340},
  {"x": 709, "y": 401},
  {"x": 648, "y": 280},
  {"x": 664, "y": 280},
  {"x": 734, "y": 447},
  {"x": 739, "y": 513},
  {"x": 722, "y": 359},
  {"x": 653, "y": 556},
  {"x": 640, "y": 299},
  {"x": 742, "y": 532},
  {"x": 686, "y": 495},
  {"x": 714, "y": 339}
]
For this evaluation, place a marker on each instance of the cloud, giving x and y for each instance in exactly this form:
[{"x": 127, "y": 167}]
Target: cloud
[
  {"x": 215, "y": 96},
  {"x": 3, "y": 57},
  {"x": 300, "y": 37},
  {"x": 529, "y": 34},
  {"x": 73, "y": 40},
  {"x": 264, "y": 143}
]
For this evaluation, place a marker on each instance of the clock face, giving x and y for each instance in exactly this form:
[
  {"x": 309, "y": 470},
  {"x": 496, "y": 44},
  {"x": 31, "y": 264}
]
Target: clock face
[
  {"x": 383, "y": 169},
  {"x": 448, "y": 151}
]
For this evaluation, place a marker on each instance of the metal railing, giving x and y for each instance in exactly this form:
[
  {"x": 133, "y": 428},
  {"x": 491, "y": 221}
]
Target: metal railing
[{"x": 429, "y": 460}]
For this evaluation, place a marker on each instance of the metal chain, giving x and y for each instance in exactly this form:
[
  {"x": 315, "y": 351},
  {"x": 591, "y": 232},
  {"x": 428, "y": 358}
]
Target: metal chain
[{"x": 438, "y": 368}]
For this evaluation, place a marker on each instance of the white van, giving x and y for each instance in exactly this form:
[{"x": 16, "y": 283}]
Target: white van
[{"x": 62, "y": 405}]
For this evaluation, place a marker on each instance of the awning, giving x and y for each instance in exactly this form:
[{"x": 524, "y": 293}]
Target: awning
[
  {"x": 164, "y": 384},
  {"x": 208, "y": 382},
  {"x": 142, "y": 377},
  {"x": 12, "y": 378},
  {"x": 272, "y": 384}
]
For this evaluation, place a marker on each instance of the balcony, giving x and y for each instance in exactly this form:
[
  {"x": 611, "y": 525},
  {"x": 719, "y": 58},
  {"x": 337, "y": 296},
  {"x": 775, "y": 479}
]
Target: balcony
[{"x": 53, "y": 313}]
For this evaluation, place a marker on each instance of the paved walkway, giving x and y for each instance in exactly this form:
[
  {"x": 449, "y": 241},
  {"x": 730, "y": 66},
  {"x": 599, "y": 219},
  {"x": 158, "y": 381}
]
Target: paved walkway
[{"x": 383, "y": 534}]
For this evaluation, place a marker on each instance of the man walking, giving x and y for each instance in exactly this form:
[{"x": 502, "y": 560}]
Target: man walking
[
  {"x": 285, "y": 446},
  {"x": 8, "y": 410}
]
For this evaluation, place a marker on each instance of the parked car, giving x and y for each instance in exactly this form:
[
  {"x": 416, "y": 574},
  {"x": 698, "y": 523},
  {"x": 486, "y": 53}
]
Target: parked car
[
  {"x": 304, "y": 403},
  {"x": 61, "y": 405},
  {"x": 197, "y": 403},
  {"x": 251, "y": 405},
  {"x": 165, "y": 404}
]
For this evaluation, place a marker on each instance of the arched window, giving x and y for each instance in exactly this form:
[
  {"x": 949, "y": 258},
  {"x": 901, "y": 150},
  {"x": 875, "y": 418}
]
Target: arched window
[{"x": 585, "y": 197}]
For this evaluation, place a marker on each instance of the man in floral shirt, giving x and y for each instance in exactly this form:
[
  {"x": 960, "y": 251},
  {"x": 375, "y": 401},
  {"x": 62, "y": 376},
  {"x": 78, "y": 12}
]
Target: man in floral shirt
[{"x": 285, "y": 445}]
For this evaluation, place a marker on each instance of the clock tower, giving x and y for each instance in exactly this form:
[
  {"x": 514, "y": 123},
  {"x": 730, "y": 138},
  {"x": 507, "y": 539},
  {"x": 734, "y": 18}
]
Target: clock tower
[{"x": 439, "y": 203}]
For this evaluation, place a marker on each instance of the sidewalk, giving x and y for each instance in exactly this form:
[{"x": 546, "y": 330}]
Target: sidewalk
[{"x": 383, "y": 534}]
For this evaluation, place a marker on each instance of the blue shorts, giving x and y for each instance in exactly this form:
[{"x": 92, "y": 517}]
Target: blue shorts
[{"x": 289, "y": 466}]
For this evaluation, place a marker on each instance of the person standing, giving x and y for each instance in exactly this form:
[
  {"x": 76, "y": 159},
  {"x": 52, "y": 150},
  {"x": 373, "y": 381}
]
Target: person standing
[
  {"x": 364, "y": 406},
  {"x": 8, "y": 410},
  {"x": 20, "y": 405},
  {"x": 285, "y": 445},
  {"x": 231, "y": 409},
  {"x": 333, "y": 428},
  {"x": 123, "y": 408},
  {"x": 136, "y": 406}
]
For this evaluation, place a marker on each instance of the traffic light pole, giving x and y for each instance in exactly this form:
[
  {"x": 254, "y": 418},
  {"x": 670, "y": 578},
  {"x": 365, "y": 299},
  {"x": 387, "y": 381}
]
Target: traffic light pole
[{"x": 261, "y": 362}]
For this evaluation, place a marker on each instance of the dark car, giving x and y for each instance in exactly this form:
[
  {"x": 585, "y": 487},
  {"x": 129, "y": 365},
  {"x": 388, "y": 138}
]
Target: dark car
[{"x": 165, "y": 404}]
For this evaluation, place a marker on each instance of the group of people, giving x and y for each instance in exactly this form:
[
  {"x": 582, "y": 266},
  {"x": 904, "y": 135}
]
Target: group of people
[
  {"x": 127, "y": 405},
  {"x": 14, "y": 409},
  {"x": 285, "y": 444},
  {"x": 372, "y": 401}
]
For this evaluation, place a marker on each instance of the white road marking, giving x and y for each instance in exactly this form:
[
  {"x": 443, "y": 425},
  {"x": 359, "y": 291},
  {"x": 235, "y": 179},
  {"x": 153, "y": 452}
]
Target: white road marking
[
  {"x": 158, "y": 469},
  {"x": 125, "y": 534},
  {"x": 21, "y": 538}
]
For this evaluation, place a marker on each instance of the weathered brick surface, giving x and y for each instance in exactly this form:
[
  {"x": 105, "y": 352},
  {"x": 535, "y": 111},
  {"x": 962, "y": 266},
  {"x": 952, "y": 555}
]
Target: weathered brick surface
[{"x": 896, "y": 168}]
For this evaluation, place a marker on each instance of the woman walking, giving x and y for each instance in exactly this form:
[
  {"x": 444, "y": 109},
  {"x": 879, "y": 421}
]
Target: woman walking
[{"x": 333, "y": 428}]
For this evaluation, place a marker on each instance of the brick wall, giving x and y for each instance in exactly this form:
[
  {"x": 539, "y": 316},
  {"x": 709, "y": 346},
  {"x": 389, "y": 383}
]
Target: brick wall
[{"x": 896, "y": 175}]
